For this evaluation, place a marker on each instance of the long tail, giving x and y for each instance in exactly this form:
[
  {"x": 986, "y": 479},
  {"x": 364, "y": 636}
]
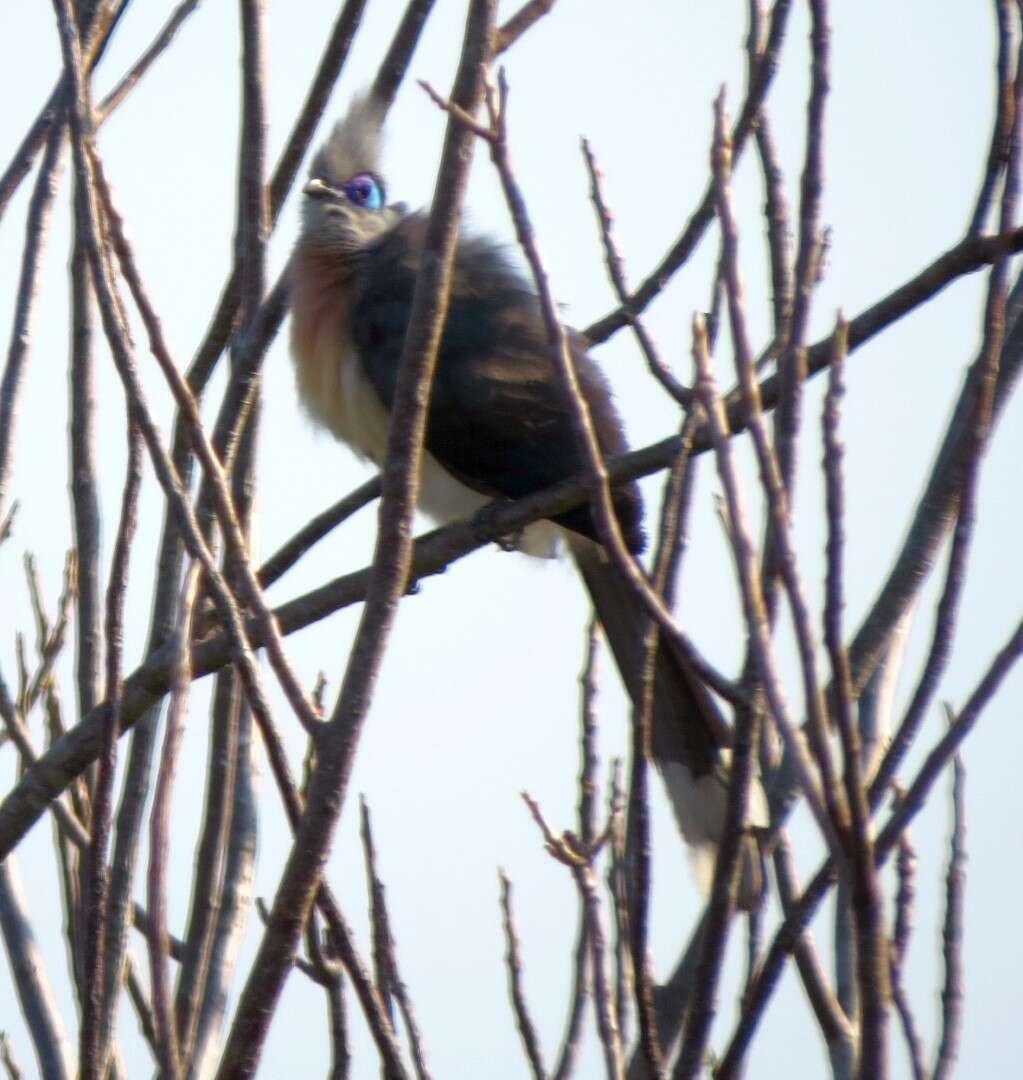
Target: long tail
[{"x": 688, "y": 736}]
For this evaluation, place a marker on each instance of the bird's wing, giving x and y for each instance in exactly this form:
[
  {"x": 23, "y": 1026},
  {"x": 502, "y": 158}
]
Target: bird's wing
[{"x": 498, "y": 420}]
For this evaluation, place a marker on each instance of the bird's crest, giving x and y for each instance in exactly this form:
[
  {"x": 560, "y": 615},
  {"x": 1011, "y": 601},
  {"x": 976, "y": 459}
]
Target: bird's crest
[{"x": 354, "y": 144}]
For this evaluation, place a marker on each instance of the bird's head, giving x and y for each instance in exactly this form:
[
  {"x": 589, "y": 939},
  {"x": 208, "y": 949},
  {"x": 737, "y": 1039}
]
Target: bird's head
[{"x": 345, "y": 206}]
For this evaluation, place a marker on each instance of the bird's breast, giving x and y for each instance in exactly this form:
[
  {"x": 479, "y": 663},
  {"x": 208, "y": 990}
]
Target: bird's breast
[
  {"x": 331, "y": 384},
  {"x": 336, "y": 393}
]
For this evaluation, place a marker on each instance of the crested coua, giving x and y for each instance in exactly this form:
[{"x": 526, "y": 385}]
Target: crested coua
[{"x": 498, "y": 425}]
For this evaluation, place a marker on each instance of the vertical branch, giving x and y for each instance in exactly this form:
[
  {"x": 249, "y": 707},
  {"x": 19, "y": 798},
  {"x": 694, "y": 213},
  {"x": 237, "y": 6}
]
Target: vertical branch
[
  {"x": 744, "y": 749},
  {"x": 51, "y": 1045},
  {"x": 838, "y": 1032},
  {"x": 339, "y": 738},
  {"x": 954, "y": 991},
  {"x": 778, "y": 501},
  {"x": 85, "y": 504},
  {"x": 703, "y": 215},
  {"x": 587, "y": 825},
  {"x": 671, "y": 538},
  {"x": 251, "y": 225},
  {"x": 337, "y": 1017},
  {"x": 1001, "y": 129},
  {"x": 167, "y": 1041},
  {"x": 37, "y": 224},
  {"x": 603, "y": 993},
  {"x": 94, "y": 1049},
  {"x": 208, "y": 884},
  {"x": 385, "y": 953},
  {"x": 905, "y": 896},
  {"x": 792, "y": 365},
  {"x": 236, "y": 896},
  {"x": 862, "y": 883},
  {"x": 513, "y": 964}
]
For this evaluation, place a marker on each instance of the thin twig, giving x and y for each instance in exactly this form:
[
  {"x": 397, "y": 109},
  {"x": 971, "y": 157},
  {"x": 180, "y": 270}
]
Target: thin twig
[
  {"x": 683, "y": 395},
  {"x": 752, "y": 595},
  {"x": 791, "y": 367},
  {"x": 587, "y": 825},
  {"x": 236, "y": 895},
  {"x": 168, "y": 1043},
  {"x": 93, "y": 1052},
  {"x": 864, "y": 890},
  {"x": 904, "y": 909},
  {"x": 7, "y": 1058},
  {"x": 1001, "y": 127},
  {"x": 703, "y": 215},
  {"x": 335, "y": 53},
  {"x": 37, "y": 222},
  {"x": 580, "y": 859},
  {"x": 53, "y": 1050},
  {"x": 594, "y": 466},
  {"x": 838, "y": 1032},
  {"x": 315, "y": 530},
  {"x": 385, "y": 953},
  {"x": 213, "y": 470},
  {"x": 83, "y": 478},
  {"x": 130, "y": 79},
  {"x": 635, "y": 896},
  {"x": 513, "y": 965},
  {"x": 953, "y": 992},
  {"x": 888, "y": 838},
  {"x": 96, "y": 33},
  {"x": 772, "y": 476},
  {"x": 140, "y": 1002},
  {"x": 209, "y": 882}
]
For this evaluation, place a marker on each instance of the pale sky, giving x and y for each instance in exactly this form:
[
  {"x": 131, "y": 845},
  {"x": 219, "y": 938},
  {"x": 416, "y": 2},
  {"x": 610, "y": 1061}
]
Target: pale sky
[{"x": 478, "y": 695}]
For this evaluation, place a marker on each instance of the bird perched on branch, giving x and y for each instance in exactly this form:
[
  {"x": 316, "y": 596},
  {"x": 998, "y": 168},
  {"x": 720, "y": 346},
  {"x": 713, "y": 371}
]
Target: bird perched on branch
[{"x": 498, "y": 426}]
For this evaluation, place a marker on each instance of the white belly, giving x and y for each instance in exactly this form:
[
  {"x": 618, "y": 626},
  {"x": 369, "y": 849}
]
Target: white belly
[{"x": 336, "y": 393}]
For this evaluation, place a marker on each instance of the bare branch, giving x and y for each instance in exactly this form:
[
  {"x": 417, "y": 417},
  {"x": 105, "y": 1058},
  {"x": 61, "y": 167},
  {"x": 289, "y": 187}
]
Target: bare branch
[
  {"x": 399, "y": 55},
  {"x": 385, "y": 953},
  {"x": 616, "y": 272},
  {"x": 530, "y": 13},
  {"x": 836, "y": 1027},
  {"x": 904, "y": 905},
  {"x": 392, "y": 562},
  {"x": 1001, "y": 128},
  {"x": 702, "y": 216},
  {"x": 168, "y": 1044},
  {"x": 37, "y": 224},
  {"x": 861, "y": 883},
  {"x": 94, "y": 1051},
  {"x": 513, "y": 964},
  {"x": 7, "y": 1058},
  {"x": 134, "y": 74},
  {"x": 953, "y": 993},
  {"x": 290, "y": 552},
  {"x": 52, "y": 1047}
]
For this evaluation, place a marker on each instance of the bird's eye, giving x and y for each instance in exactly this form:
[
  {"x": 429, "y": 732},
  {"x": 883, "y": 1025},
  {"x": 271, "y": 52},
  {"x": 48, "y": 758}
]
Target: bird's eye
[{"x": 366, "y": 191}]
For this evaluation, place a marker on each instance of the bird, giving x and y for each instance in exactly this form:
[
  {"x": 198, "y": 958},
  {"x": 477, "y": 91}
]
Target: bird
[{"x": 498, "y": 427}]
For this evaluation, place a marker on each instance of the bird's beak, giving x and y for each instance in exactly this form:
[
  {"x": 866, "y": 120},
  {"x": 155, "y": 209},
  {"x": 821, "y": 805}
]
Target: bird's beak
[{"x": 317, "y": 189}]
